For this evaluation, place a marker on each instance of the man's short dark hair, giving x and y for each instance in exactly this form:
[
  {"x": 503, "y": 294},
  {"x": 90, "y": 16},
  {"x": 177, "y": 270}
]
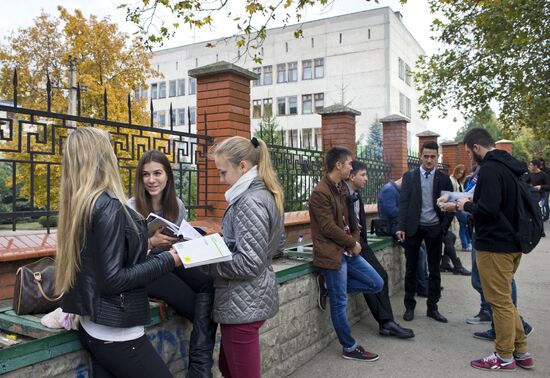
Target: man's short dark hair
[
  {"x": 357, "y": 166},
  {"x": 536, "y": 163},
  {"x": 480, "y": 137},
  {"x": 430, "y": 145},
  {"x": 334, "y": 155}
]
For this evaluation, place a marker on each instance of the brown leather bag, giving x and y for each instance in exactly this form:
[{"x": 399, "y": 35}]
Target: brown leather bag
[{"x": 34, "y": 291}]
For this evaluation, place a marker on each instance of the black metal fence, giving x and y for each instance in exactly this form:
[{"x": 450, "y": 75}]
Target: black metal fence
[
  {"x": 31, "y": 143},
  {"x": 299, "y": 171},
  {"x": 378, "y": 171}
]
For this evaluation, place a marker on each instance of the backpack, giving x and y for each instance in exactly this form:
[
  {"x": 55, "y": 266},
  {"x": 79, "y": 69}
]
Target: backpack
[{"x": 530, "y": 225}]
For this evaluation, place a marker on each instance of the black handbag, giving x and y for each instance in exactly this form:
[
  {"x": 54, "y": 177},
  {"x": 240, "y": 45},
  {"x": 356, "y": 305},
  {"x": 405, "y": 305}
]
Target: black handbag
[
  {"x": 34, "y": 291},
  {"x": 381, "y": 227}
]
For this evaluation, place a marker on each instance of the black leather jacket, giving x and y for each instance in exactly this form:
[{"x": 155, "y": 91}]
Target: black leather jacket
[{"x": 110, "y": 286}]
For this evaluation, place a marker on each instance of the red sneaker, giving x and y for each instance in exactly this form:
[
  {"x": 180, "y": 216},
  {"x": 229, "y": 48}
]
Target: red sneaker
[
  {"x": 526, "y": 362},
  {"x": 494, "y": 362}
]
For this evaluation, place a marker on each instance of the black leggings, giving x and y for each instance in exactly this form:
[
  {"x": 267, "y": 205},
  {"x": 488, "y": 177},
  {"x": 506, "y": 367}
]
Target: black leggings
[
  {"x": 179, "y": 287},
  {"x": 133, "y": 359}
]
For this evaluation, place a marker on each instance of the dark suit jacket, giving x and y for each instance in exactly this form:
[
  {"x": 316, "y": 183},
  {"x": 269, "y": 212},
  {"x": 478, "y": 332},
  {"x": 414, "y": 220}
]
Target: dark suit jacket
[{"x": 410, "y": 202}]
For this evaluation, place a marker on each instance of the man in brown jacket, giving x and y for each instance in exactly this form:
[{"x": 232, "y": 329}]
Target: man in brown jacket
[{"x": 336, "y": 250}]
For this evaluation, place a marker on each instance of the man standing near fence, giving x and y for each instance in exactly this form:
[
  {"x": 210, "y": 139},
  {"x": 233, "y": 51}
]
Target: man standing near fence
[
  {"x": 420, "y": 219},
  {"x": 336, "y": 250},
  {"x": 379, "y": 303}
]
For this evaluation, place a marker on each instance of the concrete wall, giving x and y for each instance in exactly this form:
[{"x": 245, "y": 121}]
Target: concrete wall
[{"x": 295, "y": 335}]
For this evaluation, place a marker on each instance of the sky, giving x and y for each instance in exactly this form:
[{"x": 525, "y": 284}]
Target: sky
[{"x": 416, "y": 17}]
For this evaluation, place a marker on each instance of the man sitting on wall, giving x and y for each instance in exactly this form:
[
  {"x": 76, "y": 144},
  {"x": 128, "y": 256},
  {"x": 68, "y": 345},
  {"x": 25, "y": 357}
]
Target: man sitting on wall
[{"x": 379, "y": 303}]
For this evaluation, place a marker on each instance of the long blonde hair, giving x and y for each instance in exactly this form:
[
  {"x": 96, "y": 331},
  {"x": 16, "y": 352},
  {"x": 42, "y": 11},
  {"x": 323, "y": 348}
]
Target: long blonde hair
[
  {"x": 237, "y": 149},
  {"x": 89, "y": 168}
]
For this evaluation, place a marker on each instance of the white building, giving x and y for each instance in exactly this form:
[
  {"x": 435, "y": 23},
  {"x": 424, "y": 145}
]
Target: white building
[{"x": 363, "y": 58}]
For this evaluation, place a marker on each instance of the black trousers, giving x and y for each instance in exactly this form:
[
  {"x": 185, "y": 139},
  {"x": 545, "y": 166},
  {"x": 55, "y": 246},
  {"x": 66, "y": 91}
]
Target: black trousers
[
  {"x": 178, "y": 289},
  {"x": 133, "y": 359},
  {"x": 379, "y": 303},
  {"x": 432, "y": 236},
  {"x": 449, "y": 251}
]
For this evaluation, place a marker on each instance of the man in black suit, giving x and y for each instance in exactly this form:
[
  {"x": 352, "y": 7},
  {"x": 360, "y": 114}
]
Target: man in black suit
[
  {"x": 379, "y": 303},
  {"x": 420, "y": 218}
]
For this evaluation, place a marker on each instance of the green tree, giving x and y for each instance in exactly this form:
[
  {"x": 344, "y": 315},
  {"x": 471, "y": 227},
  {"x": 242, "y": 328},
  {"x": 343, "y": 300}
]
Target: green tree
[
  {"x": 494, "y": 51},
  {"x": 486, "y": 119},
  {"x": 375, "y": 140},
  {"x": 251, "y": 21},
  {"x": 269, "y": 131}
]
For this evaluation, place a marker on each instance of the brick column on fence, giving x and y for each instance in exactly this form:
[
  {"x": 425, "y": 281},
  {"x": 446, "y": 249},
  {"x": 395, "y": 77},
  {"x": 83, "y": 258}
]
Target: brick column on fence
[
  {"x": 338, "y": 127},
  {"x": 505, "y": 145},
  {"x": 223, "y": 95},
  {"x": 426, "y": 136},
  {"x": 394, "y": 129},
  {"x": 450, "y": 154}
]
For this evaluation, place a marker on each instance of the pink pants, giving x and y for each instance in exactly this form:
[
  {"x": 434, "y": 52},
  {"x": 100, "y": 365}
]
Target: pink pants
[{"x": 240, "y": 350}]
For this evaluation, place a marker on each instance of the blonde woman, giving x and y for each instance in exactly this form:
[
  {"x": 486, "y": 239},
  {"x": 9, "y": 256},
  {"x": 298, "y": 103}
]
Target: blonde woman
[
  {"x": 245, "y": 288},
  {"x": 101, "y": 264},
  {"x": 457, "y": 179}
]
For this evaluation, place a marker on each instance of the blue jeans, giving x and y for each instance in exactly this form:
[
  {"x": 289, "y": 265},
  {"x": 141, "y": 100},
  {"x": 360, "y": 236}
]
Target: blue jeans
[
  {"x": 465, "y": 240},
  {"x": 355, "y": 276},
  {"x": 545, "y": 206},
  {"x": 422, "y": 271}
]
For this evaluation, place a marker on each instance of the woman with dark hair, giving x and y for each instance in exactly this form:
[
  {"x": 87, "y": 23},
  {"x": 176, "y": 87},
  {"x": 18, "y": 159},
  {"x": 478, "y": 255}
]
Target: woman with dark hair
[{"x": 188, "y": 291}]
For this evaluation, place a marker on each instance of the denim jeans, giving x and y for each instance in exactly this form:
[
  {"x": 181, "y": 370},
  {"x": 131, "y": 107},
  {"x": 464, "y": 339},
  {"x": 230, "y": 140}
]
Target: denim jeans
[
  {"x": 355, "y": 276},
  {"x": 465, "y": 240},
  {"x": 422, "y": 271},
  {"x": 545, "y": 206}
]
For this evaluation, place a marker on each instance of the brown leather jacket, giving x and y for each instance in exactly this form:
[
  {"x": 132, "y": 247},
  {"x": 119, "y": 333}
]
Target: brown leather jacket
[{"x": 327, "y": 211}]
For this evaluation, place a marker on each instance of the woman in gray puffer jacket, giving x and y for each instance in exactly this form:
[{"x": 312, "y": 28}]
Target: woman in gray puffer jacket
[{"x": 245, "y": 287}]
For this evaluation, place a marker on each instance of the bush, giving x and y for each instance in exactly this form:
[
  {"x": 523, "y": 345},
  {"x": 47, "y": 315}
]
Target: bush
[{"x": 50, "y": 221}]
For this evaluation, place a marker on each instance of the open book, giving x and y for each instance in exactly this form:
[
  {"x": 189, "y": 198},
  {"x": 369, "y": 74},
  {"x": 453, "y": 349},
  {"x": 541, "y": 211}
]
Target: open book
[
  {"x": 184, "y": 230},
  {"x": 205, "y": 250}
]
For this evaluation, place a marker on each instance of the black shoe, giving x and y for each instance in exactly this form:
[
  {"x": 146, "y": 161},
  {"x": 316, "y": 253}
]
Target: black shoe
[
  {"x": 462, "y": 271},
  {"x": 391, "y": 328},
  {"x": 408, "y": 315},
  {"x": 434, "y": 314},
  {"x": 445, "y": 268}
]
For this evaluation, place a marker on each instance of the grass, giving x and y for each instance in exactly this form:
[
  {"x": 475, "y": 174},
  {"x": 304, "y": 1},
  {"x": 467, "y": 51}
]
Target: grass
[{"x": 23, "y": 226}]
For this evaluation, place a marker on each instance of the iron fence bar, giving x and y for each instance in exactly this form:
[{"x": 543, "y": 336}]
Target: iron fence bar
[
  {"x": 105, "y": 114},
  {"x": 129, "y": 109},
  {"x": 49, "y": 92},
  {"x": 78, "y": 100},
  {"x": 15, "y": 87},
  {"x": 151, "y": 109}
]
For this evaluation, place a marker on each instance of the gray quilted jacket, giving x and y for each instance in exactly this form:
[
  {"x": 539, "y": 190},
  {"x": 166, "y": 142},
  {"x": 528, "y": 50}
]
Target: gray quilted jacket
[{"x": 246, "y": 289}]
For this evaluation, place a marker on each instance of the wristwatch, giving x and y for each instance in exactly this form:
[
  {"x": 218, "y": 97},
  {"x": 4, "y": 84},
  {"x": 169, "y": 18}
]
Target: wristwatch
[{"x": 456, "y": 206}]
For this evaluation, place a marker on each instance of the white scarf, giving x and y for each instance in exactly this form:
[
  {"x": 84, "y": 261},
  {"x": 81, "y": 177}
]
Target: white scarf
[{"x": 241, "y": 185}]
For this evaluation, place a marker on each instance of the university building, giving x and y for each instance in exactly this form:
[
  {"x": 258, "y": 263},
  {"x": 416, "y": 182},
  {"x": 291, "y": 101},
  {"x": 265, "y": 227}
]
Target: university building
[{"x": 362, "y": 60}]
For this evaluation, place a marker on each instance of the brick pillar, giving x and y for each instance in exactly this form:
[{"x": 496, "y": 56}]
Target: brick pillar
[
  {"x": 450, "y": 154},
  {"x": 505, "y": 145},
  {"x": 426, "y": 136},
  {"x": 223, "y": 95},
  {"x": 394, "y": 128},
  {"x": 338, "y": 127}
]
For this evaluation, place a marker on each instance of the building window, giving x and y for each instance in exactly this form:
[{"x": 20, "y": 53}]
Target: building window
[
  {"x": 319, "y": 101},
  {"x": 137, "y": 94},
  {"x": 258, "y": 81},
  {"x": 368, "y": 33},
  {"x": 268, "y": 75},
  {"x": 293, "y": 71},
  {"x": 281, "y": 106},
  {"x": 306, "y": 70},
  {"x": 293, "y": 105},
  {"x": 256, "y": 108},
  {"x": 340, "y": 37},
  {"x": 180, "y": 116},
  {"x": 281, "y": 73},
  {"x": 286, "y": 46},
  {"x": 306, "y": 138},
  {"x": 181, "y": 87},
  {"x": 162, "y": 89},
  {"x": 401, "y": 69},
  {"x": 268, "y": 107},
  {"x": 192, "y": 115},
  {"x": 306, "y": 104},
  {"x": 154, "y": 91},
  {"x": 155, "y": 118},
  {"x": 408, "y": 107},
  {"x": 192, "y": 85},
  {"x": 402, "y": 103},
  {"x": 407, "y": 74},
  {"x": 172, "y": 88},
  {"x": 318, "y": 138},
  {"x": 294, "y": 138},
  {"x": 162, "y": 118},
  {"x": 319, "y": 68}
]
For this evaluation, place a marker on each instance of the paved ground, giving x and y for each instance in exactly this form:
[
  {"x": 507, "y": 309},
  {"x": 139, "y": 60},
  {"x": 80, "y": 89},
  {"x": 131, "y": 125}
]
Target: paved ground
[{"x": 445, "y": 350}]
